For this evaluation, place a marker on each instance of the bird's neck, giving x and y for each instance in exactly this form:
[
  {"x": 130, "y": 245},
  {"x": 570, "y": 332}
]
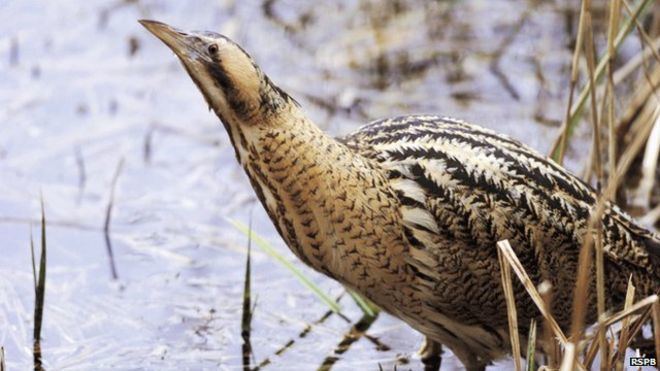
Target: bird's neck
[{"x": 333, "y": 207}]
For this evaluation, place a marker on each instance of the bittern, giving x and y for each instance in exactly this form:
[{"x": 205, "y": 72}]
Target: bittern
[{"x": 407, "y": 210}]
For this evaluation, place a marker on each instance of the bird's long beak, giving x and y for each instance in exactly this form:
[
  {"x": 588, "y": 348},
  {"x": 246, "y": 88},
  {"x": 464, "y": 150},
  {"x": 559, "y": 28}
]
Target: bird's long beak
[{"x": 181, "y": 43}]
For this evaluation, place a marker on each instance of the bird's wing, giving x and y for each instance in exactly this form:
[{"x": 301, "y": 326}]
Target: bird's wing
[{"x": 464, "y": 185}]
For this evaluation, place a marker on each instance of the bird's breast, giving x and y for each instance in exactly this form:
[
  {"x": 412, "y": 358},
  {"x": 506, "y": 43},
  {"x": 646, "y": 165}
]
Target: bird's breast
[{"x": 333, "y": 209}]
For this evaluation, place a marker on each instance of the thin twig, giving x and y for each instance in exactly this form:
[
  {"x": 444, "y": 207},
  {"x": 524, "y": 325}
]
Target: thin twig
[
  {"x": 499, "y": 52},
  {"x": 108, "y": 218},
  {"x": 82, "y": 174}
]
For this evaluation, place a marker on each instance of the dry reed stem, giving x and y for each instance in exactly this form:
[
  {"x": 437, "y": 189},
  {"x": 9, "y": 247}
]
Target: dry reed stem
[
  {"x": 590, "y": 51},
  {"x": 636, "y": 327},
  {"x": 517, "y": 267},
  {"x": 641, "y": 95},
  {"x": 581, "y": 289},
  {"x": 568, "y": 363},
  {"x": 586, "y": 91},
  {"x": 630, "y": 297},
  {"x": 633, "y": 63},
  {"x": 560, "y": 145},
  {"x": 644, "y": 37},
  {"x": 551, "y": 348},
  {"x": 624, "y": 342},
  {"x": 613, "y": 24},
  {"x": 618, "y": 316},
  {"x": 507, "y": 286},
  {"x": 649, "y": 166},
  {"x": 600, "y": 295}
]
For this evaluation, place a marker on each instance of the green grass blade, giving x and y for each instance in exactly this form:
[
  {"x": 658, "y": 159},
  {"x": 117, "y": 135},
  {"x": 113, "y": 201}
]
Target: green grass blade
[
  {"x": 368, "y": 308},
  {"x": 268, "y": 249},
  {"x": 531, "y": 346}
]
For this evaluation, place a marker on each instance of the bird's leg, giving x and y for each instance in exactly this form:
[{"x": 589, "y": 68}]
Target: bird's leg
[
  {"x": 470, "y": 360},
  {"x": 431, "y": 353}
]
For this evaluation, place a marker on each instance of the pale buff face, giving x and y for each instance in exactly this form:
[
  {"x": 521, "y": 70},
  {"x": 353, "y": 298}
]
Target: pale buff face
[{"x": 227, "y": 77}]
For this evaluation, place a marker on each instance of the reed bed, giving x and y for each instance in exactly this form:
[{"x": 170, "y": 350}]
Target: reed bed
[{"x": 629, "y": 135}]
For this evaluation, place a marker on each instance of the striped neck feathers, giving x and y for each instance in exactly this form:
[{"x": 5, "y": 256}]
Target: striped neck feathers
[{"x": 325, "y": 200}]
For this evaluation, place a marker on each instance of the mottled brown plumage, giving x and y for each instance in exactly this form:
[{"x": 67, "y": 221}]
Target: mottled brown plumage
[{"x": 408, "y": 210}]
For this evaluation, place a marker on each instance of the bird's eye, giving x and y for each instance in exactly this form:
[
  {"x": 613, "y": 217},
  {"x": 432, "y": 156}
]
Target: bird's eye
[{"x": 213, "y": 49}]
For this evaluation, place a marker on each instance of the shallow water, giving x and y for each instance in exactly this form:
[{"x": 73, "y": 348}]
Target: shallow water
[{"x": 84, "y": 87}]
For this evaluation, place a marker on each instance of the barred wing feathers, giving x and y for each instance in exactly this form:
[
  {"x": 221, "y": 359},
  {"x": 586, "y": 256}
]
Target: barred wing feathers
[{"x": 462, "y": 188}]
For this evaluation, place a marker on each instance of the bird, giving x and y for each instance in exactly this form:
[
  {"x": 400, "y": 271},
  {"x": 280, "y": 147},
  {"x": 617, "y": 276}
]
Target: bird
[{"x": 407, "y": 210}]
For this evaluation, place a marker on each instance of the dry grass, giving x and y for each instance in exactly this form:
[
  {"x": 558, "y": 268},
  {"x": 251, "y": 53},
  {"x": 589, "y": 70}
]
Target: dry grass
[
  {"x": 574, "y": 111},
  {"x": 626, "y": 136},
  {"x": 572, "y": 347},
  {"x": 510, "y": 309}
]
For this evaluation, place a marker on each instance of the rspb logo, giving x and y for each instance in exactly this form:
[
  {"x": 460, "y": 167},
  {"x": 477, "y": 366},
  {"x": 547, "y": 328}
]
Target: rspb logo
[{"x": 642, "y": 361}]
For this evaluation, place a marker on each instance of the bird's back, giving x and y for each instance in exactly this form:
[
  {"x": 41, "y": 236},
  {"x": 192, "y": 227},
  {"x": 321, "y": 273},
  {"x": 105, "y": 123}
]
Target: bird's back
[{"x": 462, "y": 188}]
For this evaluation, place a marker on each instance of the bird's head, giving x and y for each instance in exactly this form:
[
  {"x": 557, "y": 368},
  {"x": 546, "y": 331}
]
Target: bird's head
[{"x": 231, "y": 82}]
